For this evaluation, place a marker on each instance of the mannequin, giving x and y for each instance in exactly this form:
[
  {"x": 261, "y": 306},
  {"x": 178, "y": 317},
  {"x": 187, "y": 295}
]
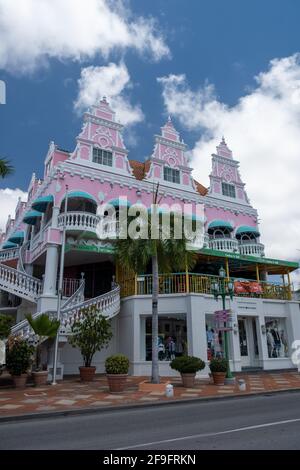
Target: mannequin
[
  {"x": 270, "y": 342},
  {"x": 277, "y": 341},
  {"x": 284, "y": 343}
]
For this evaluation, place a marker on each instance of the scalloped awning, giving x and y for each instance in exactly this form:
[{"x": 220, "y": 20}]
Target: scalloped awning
[
  {"x": 31, "y": 217},
  {"x": 243, "y": 229},
  {"x": 17, "y": 237},
  {"x": 220, "y": 224},
  {"x": 41, "y": 203}
]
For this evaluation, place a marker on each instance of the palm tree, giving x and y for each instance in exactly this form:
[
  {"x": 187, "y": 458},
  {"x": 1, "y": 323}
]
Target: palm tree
[
  {"x": 6, "y": 168},
  {"x": 44, "y": 328},
  {"x": 165, "y": 255}
]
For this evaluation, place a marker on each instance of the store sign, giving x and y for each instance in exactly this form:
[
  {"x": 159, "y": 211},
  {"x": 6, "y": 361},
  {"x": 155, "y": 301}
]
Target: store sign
[{"x": 223, "y": 320}]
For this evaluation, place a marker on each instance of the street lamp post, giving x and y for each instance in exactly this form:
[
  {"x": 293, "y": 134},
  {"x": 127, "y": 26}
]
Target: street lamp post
[
  {"x": 219, "y": 288},
  {"x": 60, "y": 285}
]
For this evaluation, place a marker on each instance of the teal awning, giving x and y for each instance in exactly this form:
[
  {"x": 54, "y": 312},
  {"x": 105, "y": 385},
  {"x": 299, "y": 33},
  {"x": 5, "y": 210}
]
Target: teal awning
[
  {"x": 17, "y": 237},
  {"x": 81, "y": 195},
  {"x": 220, "y": 224},
  {"x": 41, "y": 203},
  {"x": 32, "y": 217},
  {"x": 119, "y": 202},
  {"x": 8, "y": 245},
  {"x": 247, "y": 229}
]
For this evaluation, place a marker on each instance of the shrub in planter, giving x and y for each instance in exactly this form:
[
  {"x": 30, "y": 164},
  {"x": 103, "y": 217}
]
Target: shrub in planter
[
  {"x": 116, "y": 371},
  {"x": 90, "y": 335},
  {"x": 187, "y": 366},
  {"x": 18, "y": 360},
  {"x": 44, "y": 328},
  {"x": 218, "y": 368}
]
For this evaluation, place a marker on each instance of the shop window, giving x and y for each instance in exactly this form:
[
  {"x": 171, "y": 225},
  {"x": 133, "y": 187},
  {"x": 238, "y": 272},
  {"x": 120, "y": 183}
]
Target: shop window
[
  {"x": 276, "y": 337},
  {"x": 214, "y": 339},
  {"x": 172, "y": 338}
]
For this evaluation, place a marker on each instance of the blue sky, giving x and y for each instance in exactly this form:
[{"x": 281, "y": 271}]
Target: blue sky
[
  {"x": 226, "y": 43},
  {"x": 230, "y": 67}
]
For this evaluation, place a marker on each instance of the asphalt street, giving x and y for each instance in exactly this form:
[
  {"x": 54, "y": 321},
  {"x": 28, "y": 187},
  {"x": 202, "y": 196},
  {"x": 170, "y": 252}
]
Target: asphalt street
[{"x": 258, "y": 422}]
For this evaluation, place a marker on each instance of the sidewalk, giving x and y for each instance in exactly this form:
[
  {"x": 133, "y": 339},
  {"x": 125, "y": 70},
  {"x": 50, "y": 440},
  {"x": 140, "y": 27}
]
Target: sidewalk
[{"x": 71, "y": 394}]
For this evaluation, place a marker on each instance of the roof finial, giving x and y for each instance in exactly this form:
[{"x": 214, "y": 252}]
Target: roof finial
[
  {"x": 169, "y": 118},
  {"x": 104, "y": 99},
  {"x": 223, "y": 140}
]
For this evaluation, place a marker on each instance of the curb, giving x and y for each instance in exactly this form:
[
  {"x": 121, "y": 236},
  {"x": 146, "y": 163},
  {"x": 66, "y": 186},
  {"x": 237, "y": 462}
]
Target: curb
[{"x": 186, "y": 401}]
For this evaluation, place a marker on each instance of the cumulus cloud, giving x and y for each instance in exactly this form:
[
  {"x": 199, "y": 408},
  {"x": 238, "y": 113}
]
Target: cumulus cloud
[
  {"x": 9, "y": 199},
  {"x": 111, "y": 81},
  {"x": 32, "y": 31},
  {"x": 262, "y": 129}
]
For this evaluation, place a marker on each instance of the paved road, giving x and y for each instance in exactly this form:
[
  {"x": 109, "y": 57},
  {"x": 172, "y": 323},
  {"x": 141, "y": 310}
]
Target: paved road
[{"x": 262, "y": 422}]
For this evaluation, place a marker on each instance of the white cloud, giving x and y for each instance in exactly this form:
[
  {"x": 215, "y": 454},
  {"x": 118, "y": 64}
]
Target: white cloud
[
  {"x": 32, "y": 31},
  {"x": 262, "y": 129},
  {"x": 9, "y": 199},
  {"x": 111, "y": 81}
]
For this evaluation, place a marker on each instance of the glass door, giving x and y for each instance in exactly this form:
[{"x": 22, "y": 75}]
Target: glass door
[{"x": 244, "y": 342}]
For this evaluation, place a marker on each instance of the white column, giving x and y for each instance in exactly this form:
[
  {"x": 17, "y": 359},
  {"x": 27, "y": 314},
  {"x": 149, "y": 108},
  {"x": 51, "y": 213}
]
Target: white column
[
  {"x": 50, "y": 278},
  {"x": 196, "y": 332},
  {"x": 55, "y": 214}
]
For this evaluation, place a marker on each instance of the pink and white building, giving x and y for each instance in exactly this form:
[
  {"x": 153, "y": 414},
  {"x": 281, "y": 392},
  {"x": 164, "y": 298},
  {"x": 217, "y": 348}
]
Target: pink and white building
[{"x": 99, "y": 170}]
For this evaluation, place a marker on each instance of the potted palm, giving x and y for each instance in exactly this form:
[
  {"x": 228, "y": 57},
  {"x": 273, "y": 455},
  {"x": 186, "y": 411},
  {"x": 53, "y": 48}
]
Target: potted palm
[
  {"x": 116, "y": 372},
  {"x": 187, "y": 366},
  {"x": 44, "y": 328},
  {"x": 90, "y": 335},
  {"x": 18, "y": 360},
  {"x": 218, "y": 368}
]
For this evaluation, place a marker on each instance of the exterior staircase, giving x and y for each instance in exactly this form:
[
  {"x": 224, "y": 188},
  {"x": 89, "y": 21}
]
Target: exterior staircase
[
  {"x": 19, "y": 283},
  {"x": 73, "y": 309}
]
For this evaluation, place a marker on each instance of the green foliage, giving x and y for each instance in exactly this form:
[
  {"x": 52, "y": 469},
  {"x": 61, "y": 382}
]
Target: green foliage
[
  {"x": 19, "y": 357},
  {"x": 117, "y": 364},
  {"x": 6, "y": 322},
  {"x": 44, "y": 328},
  {"x": 91, "y": 334},
  {"x": 6, "y": 168},
  {"x": 187, "y": 364},
  {"x": 218, "y": 365}
]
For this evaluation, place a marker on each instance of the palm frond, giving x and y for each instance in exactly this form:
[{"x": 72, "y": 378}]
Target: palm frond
[{"x": 6, "y": 168}]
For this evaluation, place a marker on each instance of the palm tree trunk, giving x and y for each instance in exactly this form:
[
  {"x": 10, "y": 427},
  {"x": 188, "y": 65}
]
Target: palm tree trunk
[{"x": 155, "y": 370}]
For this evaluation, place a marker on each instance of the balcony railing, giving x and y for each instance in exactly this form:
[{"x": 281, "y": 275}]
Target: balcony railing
[
  {"x": 82, "y": 221},
  {"x": 252, "y": 249},
  {"x": 10, "y": 253},
  {"x": 224, "y": 244},
  {"x": 181, "y": 283}
]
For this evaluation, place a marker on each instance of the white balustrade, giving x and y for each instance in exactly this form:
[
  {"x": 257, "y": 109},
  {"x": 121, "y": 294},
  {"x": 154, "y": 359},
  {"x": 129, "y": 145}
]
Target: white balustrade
[
  {"x": 79, "y": 221},
  {"x": 10, "y": 253},
  {"x": 224, "y": 244},
  {"x": 19, "y": 283},
  {"x": 252, "y": 249}
]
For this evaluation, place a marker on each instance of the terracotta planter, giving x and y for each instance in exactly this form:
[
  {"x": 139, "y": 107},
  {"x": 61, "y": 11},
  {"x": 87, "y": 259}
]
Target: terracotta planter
[
  {"x": 87, "y": 374},
  {"x": 40, "y": 378},
  {"x": 116, "y": 382},
  {"x": 188, "y": 380},
  {"x": 218, "y": 377},
  {"x": 20, "y": 380}
]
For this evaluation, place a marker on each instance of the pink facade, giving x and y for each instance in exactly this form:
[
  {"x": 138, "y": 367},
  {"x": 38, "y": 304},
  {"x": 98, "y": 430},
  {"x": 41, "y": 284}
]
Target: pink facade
[{"x": 99, "y": 165}]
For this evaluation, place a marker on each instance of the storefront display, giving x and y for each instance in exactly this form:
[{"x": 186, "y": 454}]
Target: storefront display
[
  {"x": 214, "y": 339},
  {"x": 172, "y": 338},
  {"x": 276, "y": 337}
]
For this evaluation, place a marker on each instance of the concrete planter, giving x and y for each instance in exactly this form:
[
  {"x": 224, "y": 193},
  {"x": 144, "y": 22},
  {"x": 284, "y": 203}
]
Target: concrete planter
[
  {"x": 188, "y": 380},
  {"x": 87, "y": 374},
  {"x": 40, "y": 378},
  {"x": 20, "y": 380},
  {"x": 218, "y": 377},
  {"x": 116, "y": 382}
]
